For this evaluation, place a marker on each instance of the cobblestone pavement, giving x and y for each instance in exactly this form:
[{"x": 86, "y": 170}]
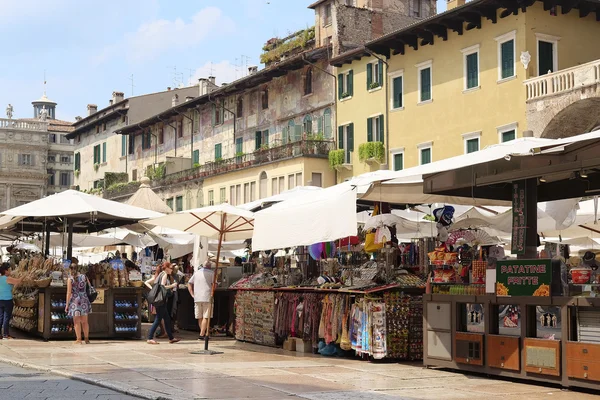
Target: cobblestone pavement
[
  {"x": 20, "y": 383},
  {"x": 243, "y": 371}
]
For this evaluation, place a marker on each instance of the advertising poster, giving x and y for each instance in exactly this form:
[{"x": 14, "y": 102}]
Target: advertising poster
[
  {"x": 509, "y": 320},
  {"x": 475, "y": 318},
  {"x": 523, "y": 278}
]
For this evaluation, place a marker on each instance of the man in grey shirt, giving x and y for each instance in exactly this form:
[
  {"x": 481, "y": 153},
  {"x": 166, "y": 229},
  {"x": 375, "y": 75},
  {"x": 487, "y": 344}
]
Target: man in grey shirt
[{"x": 200, "y": 288}]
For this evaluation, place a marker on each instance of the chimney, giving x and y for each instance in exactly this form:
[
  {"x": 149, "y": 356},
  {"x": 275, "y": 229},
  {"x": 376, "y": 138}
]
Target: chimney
[
  {"x": 110, "y": 102},
  {"x": 212, "y": 80},
  {"x": 455, "y": 3},
  {"x": 527, "y": 133},
  {"x": 252, "y": 70},
  {"x": 175, "y": 100},
  {"x": 224, "y": 84},
  {"x": 92, "y": 109},
  {"x": 168, "y": 88},
  {"x": 188, "y": 98},
  {"x": 117, "y": 97},
  {"x": 203, "y": 85},
  {"x": 78, "y": 118}
]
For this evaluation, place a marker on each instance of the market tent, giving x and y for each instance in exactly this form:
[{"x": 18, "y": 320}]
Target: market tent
[
  {"x": 286, "y": 195},
  {"x": 147, "y": 199},
  {"x": 406, "y": 186},
  {"x": 80, "y": 240},
  {"x": 326, "y": 215},
  {"x": 128, "y": 237}
]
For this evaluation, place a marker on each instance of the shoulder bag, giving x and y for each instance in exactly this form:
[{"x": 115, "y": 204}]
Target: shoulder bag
[
  {"x": 91, "y": 292},
  {"x": 158, "y": 294}
]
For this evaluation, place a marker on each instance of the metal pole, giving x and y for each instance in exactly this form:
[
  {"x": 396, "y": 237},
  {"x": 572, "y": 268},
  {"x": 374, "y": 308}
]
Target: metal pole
[{"x": 70, "y": 240}]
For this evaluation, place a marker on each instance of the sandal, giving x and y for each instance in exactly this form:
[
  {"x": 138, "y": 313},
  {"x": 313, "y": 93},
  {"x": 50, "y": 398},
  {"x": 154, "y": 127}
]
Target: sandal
[
  {"x": 152, "y": 341},
  {"x": 87, "y": 341},
  {"x": 174, "y": 340},
  {"x": 77, "y": 342}
]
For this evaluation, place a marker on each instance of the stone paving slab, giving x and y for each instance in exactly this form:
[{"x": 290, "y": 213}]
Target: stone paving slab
[{"x": 243, "y": 371}]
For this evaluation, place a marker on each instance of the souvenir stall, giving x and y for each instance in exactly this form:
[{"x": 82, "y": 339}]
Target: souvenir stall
[
  {"x": 116, "y": 311},
  {"x": 539, "y": 316}
]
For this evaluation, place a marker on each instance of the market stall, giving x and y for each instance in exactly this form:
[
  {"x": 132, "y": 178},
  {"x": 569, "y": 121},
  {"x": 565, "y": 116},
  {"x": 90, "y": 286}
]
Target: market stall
[{"x": 539, "y": 316}]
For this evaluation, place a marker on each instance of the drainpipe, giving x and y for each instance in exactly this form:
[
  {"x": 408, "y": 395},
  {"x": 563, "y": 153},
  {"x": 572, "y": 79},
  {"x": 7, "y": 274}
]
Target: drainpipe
[
  {"x": 387, "y": 105},
  {"x": 334, "y": 128},
  {"x": 229, "y": 111},
  {"x": 192, "y": 139}
]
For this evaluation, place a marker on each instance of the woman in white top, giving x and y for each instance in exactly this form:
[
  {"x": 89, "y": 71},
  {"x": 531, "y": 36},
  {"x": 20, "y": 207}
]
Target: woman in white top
[{"x": 161, "y": 311}]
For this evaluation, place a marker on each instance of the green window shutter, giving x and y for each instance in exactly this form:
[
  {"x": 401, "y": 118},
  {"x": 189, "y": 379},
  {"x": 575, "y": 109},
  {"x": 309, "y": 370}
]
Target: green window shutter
[
  {"x": 328, "y": 131},
  {"x": 425, "y": 156},
  {"x": 285, "y": 135},
  {"x": 472, "y": 71},
  {"x": 351, "y": 83},
  {"x": 426, "y": 84},
  {"x": 196, "y": 157},
  {"x": 508, "y": 136},
  {"x": 212, "y": 114},
  {"x": 397, "y": 92},
  {"x": 398, "y": 162},
  {"x": 507, "y": 52},
  {"x": 170, "y": 203},
  {"x": 104, "y": 152},
  {"x": 369, "y": 75},
  {"x": 340, "y": 137},
  {"x": 218, "y": 154},
  {"x": 381, "y": 130},
  {"x": 472, "y": 145},
  {"x": 350, "y": 135},
  {"x": 123, "y": 145},
  {"x": 380, "y": 66},
  {"x": 545, "y": 57},
  {"x": 266, "y": 137},
  {"x": 340, "y": 85},
  {"x": 239, "y": 145},
  {"x": 369, "y": 129},
  {"x": 257, "y": 140},
  {"x": 320, "y": 125}
]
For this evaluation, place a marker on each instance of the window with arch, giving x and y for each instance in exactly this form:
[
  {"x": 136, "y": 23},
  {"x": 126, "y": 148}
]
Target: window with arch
[
  {"x": 307, "y": 125},
  {"x": 308, "y": 85},
  {"x": 262, "y": 186},
  {"x": 265, "y": 98},
  {"x": 240, "y": 107}
]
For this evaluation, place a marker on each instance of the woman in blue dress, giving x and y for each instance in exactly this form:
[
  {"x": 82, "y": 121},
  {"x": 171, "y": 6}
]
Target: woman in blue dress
[{"x": 78, "y": 304}]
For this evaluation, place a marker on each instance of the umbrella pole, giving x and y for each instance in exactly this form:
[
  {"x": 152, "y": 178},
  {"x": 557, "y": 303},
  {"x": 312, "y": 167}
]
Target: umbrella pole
[{"x": 212, "y": 294}]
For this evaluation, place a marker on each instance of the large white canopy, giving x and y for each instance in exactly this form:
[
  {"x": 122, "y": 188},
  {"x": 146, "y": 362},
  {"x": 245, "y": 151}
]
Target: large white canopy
[
  {"x": 322, "y": 216},
  {"x": 145, "y": 198},
  {"x": 72, "y": 203}
]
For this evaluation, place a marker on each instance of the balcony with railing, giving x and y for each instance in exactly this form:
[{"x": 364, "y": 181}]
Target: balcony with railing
[
  {"x": 15, "y": 124},
  {"x": 563, "y": 81},
  {"x": 302, "y": 148}
]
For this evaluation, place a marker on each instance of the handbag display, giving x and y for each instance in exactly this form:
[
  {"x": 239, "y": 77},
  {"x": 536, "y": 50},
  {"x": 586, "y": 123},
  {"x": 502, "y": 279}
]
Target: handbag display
[{"x": 91, "y": 292}]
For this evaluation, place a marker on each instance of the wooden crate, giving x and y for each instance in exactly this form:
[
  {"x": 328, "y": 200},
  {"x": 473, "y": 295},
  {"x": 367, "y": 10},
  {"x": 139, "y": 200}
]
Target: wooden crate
[{"x": 503, "y": 352}]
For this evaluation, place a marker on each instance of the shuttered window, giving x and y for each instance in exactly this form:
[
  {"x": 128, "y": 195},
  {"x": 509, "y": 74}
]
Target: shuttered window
[
  {"x": 508, "y": 136},
  {"x": 425, "y": 156},
  {"x": 375, "y": 129},
  {"x": 196, "y": 157},
  {"x": 398, "y": 161},
  {"x": 507, "y": 63},
  {"x": 472, "y": 145},
  {"x": 345, "y": 84},
  {"x": 104, "y": 152},
  {"x": 179, "y": 203},
  {"x": 97, "y": 154},
  {"x": 218, "y": 152},
  {"x": 397, "y": 90},
  {"x": 472, "y": 61},
  {"x": 123, "y": 145},
  {"x": 425, "y": 83},
  {"x": 239, "y": 146},
  {"x": 77, "y": 162}
]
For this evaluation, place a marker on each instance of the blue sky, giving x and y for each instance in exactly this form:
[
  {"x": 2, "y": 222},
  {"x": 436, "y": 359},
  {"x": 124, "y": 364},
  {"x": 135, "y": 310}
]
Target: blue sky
[{"x": 89, "y": 49}]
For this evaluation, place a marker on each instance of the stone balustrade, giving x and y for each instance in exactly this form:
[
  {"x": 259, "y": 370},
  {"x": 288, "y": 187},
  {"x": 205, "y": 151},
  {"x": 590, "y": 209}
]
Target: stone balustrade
[
  {"x": 563, "y": 81},
  {"x": 15, "y": 124}
]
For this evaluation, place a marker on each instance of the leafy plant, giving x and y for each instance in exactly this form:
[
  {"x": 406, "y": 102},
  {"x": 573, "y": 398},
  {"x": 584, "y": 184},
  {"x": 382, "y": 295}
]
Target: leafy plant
[
  {"x": 77, "y": 172},
  {"x": 96, "y": 167},
  {"x": 374, "y": 85},
  {"x": 264, "y": 147},
  {"x": 276, "y": 48},
  {"x": 240, "y": 154},
  {"x": 336, "y": 157},
  {"x": 345, "y": 94},
  {"x": 110, "y": 178},
  {"x": 156, "y": 172},
  {"x": 218, "y": 159},
  {"x": 196, "y": 165},
  {"x": 371, "y": 150}
]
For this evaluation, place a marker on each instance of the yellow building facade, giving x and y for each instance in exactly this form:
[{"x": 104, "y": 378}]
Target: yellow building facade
[{"x": 439, "y": 98}]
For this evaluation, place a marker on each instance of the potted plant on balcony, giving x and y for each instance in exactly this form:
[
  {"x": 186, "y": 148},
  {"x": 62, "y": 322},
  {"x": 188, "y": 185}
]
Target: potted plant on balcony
[
  {"x": 321, "y": 144},
  {"x": 371, "y": 152},
  {"x": 374, "y": 85},
  {"x": 77, "y": 173},
  {"x": 336, "y": 158},
  {"x": 96, "y": 167}
]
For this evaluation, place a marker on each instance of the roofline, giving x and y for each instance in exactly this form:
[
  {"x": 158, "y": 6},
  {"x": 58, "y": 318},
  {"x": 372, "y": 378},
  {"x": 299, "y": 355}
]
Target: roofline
[
  {"x": 106, "y": 117},
  {"x": 89, "y": 117},
  {"x": 223, "y": 90},
  {"x": 316, "y": 3},
  {"x": 349, "y": 56}
]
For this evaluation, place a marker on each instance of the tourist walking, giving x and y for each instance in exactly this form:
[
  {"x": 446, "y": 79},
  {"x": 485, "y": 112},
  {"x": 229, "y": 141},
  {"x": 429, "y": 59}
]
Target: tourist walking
[
  {"x": 78, "y": 305},
  {"x": 7, "y": 283},
  {"x": 200, "y": 288},
  {"x": 162, "y": 313}
]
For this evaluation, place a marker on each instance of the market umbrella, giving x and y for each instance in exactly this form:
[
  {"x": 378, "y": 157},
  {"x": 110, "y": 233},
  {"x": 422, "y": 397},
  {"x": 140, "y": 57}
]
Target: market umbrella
[
  {"x": 147, "y": 199},
  {"x": 223, "y": 221}
]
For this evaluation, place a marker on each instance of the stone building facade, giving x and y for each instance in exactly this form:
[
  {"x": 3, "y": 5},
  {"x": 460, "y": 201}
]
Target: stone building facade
[{"x": 35, "y": 156}]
